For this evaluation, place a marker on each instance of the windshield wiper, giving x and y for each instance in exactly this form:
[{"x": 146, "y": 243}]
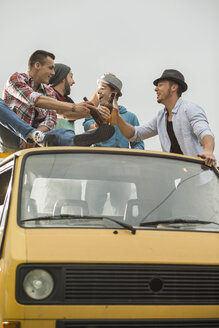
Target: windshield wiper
[
  {"x": 123, "y": 224},
  {"x": 173, "y": 221},
  {"x": 55, "y": 217},
  {"x": 68, "y": 216}
]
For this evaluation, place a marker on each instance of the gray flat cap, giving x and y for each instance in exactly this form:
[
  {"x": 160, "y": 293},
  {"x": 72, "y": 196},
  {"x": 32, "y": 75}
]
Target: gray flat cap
[{"x": 113, "y": 81}]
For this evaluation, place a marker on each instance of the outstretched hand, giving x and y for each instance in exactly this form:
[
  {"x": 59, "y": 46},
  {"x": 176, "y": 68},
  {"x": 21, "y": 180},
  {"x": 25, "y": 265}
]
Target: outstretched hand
[
  {"x": 84, "y": 108},
  {"x": 81, "y": 110}
]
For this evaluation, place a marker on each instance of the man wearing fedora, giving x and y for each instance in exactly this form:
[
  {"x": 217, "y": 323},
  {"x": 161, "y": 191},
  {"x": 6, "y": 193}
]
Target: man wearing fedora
[
  {"x": 181, "y": 125},
  {"x": 119, "y": 194}
]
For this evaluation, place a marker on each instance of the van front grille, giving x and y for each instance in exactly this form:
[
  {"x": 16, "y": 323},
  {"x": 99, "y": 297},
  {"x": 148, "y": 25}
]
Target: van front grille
[{"x": 141, "y": 284}]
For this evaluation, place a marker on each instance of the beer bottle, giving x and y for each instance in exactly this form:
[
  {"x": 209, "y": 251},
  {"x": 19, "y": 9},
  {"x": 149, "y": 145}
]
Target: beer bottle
[
  {"x": 109, "y": 104},
  {"x": 98, "y": 118}
]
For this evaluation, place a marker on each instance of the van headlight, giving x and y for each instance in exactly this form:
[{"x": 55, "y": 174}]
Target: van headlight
[{"x": 38, "y": 284}]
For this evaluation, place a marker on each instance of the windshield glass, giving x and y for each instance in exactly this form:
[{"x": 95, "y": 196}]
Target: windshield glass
[{"x": 77, "y": 189}]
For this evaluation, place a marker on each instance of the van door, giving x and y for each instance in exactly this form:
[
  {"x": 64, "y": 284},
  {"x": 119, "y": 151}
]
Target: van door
[{"x": 5, "y": 177}]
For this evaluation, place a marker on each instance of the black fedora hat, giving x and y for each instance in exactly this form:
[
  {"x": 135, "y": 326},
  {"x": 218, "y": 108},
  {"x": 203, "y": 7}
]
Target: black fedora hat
[{"x": 173, "y": 75}]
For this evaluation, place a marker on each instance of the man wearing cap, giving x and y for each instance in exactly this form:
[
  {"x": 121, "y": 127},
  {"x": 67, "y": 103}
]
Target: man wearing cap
[
  {"x": 108, "y": 84},
  {"x": 182, "y": 126},
  {"x": 119, "y": 194},
  {"x": 30, "y": 106}
]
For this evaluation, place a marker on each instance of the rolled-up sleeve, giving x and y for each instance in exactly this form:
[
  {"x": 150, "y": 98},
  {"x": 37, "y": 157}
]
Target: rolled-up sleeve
[
  {"x": 21, "y": 98},
  {"x": 18, "y": 88},
  {"x": 135, "y": 122},
  {"x": 49, "y": 118},
  {"x": 145, "y": 131},
  {"x": 199, "y": 122}
]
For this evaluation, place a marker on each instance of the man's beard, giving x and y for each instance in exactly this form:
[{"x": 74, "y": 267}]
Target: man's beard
[
  {"x": 67, "y": 88},
  {"x": 160, "y": 101}
]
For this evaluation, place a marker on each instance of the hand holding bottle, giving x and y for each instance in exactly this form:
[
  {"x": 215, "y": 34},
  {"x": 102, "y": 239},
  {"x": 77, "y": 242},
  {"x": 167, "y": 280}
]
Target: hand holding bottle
[
  {"x": 115, "y": 113},
  {"x": 96, "y": 115},
  {"x": 109, "y": 105}
]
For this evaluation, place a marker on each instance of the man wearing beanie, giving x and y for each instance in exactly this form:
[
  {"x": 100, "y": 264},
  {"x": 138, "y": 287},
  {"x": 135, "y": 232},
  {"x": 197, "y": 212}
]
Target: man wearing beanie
[
  {"x": 29, "y": 109},
  {"x": 181, "y": 125},
  {"x": 61, "y": 83}
]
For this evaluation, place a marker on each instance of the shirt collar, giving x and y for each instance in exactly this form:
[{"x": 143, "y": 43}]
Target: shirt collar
[
  {"x": 176, "y": 107},
  {"x": 30, "y": 80},
  {"x": 31, "y": 83}
]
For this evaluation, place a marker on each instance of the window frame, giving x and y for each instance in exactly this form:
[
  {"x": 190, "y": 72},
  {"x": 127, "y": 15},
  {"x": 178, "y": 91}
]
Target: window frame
[{"x": 6, "y": 204}]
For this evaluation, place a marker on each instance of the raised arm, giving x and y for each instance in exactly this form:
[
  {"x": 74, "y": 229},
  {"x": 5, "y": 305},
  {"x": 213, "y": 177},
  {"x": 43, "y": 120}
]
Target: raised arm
[{"x": 127, "y": 129}]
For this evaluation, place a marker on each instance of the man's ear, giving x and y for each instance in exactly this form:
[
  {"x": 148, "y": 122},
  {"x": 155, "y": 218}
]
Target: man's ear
[
  {"x": 175, "y": 86},
  {"x": 37, "y": 65}
]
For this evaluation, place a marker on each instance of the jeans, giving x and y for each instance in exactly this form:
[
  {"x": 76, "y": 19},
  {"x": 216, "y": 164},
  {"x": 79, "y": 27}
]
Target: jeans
[
  {"x": 13, "y": 128},
  {"x": 64, "y": 137}
]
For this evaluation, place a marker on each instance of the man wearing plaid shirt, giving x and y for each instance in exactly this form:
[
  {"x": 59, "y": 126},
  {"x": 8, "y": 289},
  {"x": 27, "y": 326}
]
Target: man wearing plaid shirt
[{"x": 33, "y": 107}]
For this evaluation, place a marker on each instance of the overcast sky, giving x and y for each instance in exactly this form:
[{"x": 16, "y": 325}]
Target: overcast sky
[{"x": 135, "y": 39}]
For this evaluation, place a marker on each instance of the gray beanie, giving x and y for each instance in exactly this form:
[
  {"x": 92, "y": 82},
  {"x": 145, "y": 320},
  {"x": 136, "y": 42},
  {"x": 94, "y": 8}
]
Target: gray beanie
[{"x": 61, "y": 71}]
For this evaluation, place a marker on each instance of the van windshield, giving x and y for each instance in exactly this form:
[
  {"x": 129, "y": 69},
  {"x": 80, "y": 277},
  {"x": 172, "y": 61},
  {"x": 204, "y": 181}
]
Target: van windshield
[{"x": 84, "y": 190}]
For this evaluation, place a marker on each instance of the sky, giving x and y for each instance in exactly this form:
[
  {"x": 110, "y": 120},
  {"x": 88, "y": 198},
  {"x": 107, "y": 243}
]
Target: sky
[{"x": 134, "y": 39}]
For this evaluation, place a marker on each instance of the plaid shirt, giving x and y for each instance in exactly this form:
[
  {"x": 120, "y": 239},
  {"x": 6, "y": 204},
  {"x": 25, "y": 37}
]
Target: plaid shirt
[{"x": 20, "y": 96}]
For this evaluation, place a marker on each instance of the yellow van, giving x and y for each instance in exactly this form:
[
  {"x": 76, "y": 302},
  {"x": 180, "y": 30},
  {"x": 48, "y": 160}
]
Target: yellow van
[{"x": 100, "y": 237}]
